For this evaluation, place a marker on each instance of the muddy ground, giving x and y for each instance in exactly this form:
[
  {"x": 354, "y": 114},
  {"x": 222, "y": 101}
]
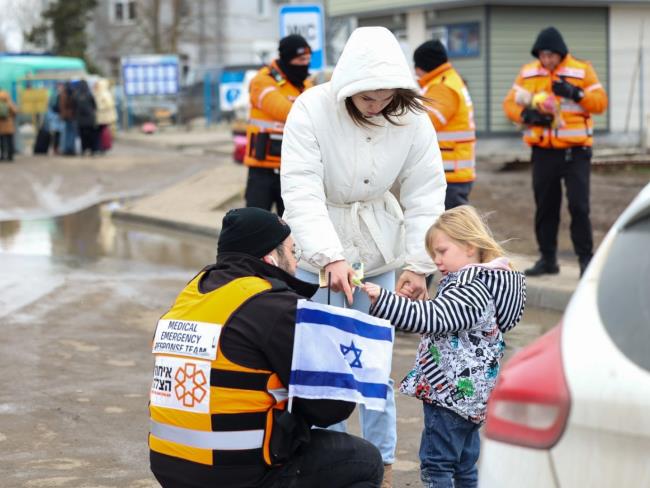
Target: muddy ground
[{"x": 504, "y": 192}]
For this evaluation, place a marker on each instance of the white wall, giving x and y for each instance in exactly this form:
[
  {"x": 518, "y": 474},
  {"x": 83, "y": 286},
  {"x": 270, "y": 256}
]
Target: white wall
[{"x": 625, "y": 24}]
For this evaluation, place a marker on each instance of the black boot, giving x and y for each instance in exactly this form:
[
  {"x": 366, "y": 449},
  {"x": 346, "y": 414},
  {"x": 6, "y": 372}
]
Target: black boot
[{"x": 543, "y": 266}]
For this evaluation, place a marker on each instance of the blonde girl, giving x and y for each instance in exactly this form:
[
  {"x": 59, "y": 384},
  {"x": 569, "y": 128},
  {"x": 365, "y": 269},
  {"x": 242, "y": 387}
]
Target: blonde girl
[{"x": 479, "y": 298}]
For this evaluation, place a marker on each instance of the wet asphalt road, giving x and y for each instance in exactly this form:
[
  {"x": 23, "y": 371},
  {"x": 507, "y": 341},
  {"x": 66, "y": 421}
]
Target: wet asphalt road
[{"x": 79, "y": 298}]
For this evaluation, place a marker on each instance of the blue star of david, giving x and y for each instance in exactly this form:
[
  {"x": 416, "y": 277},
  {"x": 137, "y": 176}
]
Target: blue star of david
[{"x": 356, "y": 362}]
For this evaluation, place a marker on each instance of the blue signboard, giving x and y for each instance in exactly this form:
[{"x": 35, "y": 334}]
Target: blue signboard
[
  {"x": 150, "y": 75},
  {"x": 308, "y": 21}
]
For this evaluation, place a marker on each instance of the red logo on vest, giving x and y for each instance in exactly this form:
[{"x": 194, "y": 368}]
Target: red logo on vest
[{"x": 189, "y": 388}]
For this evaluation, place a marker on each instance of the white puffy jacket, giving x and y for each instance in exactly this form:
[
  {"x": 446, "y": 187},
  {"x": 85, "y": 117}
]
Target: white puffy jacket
[{"x": 336, "y": 175}]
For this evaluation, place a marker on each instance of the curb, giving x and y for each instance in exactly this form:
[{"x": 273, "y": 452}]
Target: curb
[
  {"x": 122, "y": 216},
  {"x": 538, "y": 295}
]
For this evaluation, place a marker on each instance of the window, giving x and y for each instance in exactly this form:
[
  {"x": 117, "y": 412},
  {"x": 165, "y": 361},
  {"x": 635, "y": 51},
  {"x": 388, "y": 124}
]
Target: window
[
  {"x": 624, "y": 288},
  {"x": 461, "y": 40},
  {"x": 123, "y": 11}
]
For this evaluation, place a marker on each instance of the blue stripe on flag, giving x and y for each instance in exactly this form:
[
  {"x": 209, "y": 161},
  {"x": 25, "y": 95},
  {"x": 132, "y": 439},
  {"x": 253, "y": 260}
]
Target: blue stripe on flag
[
  {"x": 348, "y": 324},
  {"x": 338, "y": 380}
]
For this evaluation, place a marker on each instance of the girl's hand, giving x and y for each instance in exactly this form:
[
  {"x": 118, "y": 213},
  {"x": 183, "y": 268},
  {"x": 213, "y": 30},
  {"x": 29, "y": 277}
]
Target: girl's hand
[
  {"x": 341, "y": 279},
  {"x": 412, "y": 285},
  {"x": 373, "y": 291}
]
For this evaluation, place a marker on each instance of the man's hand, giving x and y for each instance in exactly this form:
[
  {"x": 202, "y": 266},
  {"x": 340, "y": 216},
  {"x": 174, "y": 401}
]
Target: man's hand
[
  {"x": 567, "y": 90},
  {"x": 372, "y": 290},
  {"x": 530, "y": 116},
  {"x": 412, "y": 285},
  {"x": 341, "y": 278}
]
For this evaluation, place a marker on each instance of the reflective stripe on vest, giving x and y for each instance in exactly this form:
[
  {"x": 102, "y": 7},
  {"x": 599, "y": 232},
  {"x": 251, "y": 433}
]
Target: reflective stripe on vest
[
  {"x": 266, "y": 124},
  {"x": 469, "y": 135},
  {"x": 453, "y": 165},
  {"x": 571, "y": 106},
  {"x": 574, "y": 132},
  {"x": 224, "y": 440}
]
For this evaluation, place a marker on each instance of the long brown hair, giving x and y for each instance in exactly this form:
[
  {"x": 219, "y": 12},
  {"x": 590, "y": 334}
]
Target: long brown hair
[{"x": 404, "y": 100}]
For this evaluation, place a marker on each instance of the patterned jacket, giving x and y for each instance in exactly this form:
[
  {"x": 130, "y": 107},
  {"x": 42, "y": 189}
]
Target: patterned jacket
[{"x": 462, "y": 330}]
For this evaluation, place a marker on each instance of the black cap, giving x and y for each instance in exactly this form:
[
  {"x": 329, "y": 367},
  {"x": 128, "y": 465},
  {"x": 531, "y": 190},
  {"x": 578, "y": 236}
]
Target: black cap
[
  {"x": 253, "y": 231},
  {"x": 292, "y": 46},
  {"x": 430, "y": 55},
  {"x": 550, "y": 39}
]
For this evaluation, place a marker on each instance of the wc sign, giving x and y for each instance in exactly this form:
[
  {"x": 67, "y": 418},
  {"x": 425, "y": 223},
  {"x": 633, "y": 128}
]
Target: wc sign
[{"x": 307, "y": 21}]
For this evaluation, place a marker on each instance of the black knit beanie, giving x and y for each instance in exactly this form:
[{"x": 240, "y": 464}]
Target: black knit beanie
[
  {"x": 251, "y": 231},
  {"x": 292, "y": 46},
  {"x": 550, "y": 39},
  {"x": 430, "y": 55}
]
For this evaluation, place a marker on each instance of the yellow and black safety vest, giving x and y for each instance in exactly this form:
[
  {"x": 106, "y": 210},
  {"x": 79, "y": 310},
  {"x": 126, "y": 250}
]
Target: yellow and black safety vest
[
  {"x": 457, "y": 138},
  {"x": 205, "y": 408}
]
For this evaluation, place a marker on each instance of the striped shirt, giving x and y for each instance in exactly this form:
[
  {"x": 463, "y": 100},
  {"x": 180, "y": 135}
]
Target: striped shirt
[{"x": 458, "y": 358}]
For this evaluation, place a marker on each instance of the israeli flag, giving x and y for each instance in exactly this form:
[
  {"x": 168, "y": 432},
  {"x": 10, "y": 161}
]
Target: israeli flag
[{"x": 340, "y": 354}]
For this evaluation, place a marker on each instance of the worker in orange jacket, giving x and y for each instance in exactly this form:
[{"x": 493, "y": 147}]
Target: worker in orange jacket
[
  {"x": 272, "y": 93},
  {"x": 452, "y": 113},
  {"x": 554, "y": 97}
]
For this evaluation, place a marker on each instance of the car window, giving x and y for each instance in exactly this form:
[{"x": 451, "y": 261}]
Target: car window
[{"x": 624, "y": 291}]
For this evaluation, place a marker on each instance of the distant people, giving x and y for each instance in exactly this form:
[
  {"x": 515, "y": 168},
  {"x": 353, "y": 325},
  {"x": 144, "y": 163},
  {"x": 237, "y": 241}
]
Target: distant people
[
  {"x": 554, "y": 98},
  {"x": 451, "y": 111},
  {"x": 8, "y": 113},
  {"x": 53, "y": 122},
  {"x": 272, "y": 93},
  {"x": 67, "y": 114},
  {"x": 85, "y": 115},
  {"x": 346, "y": 143},
  {"x": 478, "y": 300},
  {"x": 106, "y": 114},
  {"x": 221, "y": 418}
]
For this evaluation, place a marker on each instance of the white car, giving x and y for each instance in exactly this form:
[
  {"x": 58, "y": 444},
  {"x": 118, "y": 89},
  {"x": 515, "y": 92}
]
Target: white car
[{"x": 572, "y": 409}]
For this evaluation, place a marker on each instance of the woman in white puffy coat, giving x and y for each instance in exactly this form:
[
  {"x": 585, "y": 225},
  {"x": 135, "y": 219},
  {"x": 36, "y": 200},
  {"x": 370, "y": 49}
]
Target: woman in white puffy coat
[{"x": 345, "y": 144}]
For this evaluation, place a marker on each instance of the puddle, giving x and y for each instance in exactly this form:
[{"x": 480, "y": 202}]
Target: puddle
[{"x": 91, "y": 235}]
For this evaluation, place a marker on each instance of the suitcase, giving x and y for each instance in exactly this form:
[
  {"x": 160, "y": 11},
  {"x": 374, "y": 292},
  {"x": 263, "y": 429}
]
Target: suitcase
[
  {"x": 105, "y": 138},
  {"x": 42, "y": 142}
]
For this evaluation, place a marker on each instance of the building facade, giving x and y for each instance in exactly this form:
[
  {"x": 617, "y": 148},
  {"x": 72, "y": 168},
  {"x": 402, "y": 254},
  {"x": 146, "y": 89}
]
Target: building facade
[
  {"x": 488, "y": 43},
  {"x": 204, "y": 33}
]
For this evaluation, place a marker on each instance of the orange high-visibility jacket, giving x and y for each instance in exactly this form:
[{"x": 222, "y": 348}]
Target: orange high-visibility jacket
[
  {"x": 271, "y": 98},
  {"x": 576, "y": 128},
  {"x": 452, "y": 114},
  {"x": 203, "y": 407}
]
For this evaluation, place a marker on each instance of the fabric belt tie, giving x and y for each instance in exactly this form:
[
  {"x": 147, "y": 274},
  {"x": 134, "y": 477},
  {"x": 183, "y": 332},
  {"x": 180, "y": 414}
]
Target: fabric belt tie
[{"x": 363, "y": 211}]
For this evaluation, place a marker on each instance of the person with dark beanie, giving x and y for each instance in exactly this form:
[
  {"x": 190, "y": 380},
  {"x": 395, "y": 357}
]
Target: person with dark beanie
[
  {"x": 450, "y": 109},
  {"x": 553, "y": 98},
  {"x": 223, "y": 352},
  {"x": 272, "y": 93}
]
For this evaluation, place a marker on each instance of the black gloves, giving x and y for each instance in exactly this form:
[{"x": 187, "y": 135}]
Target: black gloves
[
  {"x": 530, "y": 116},
  {"x": 567, "y": 90}
]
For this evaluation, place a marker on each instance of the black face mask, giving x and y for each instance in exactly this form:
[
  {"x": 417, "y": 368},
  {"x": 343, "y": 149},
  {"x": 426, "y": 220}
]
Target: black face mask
[{"x": 295, "y": 74}]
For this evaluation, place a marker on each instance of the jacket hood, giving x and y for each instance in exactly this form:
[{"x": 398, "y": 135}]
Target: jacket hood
[
  {"x": 372, "y": 59},
  {"x": 550, "y": 39}
]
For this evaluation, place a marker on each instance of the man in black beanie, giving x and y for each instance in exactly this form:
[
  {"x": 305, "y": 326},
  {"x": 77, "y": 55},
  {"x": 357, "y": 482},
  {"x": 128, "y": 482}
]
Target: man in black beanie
[
  {"x": 223, "y": 352},
  {"x": 554, "y": 97},
  {"x": 272, "y": 93},
  {"x": 452, "y": 114}
]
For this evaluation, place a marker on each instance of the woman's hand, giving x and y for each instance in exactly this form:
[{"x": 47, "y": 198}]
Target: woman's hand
[
  {"x": 373, "y": 292},
  {"x": 341, "y": 278},
  {"x": 412, "y": 285}
]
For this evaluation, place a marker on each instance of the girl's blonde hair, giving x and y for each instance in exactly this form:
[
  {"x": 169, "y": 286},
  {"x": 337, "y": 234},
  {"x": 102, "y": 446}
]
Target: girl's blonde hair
[{"x": 464, "y": 225}]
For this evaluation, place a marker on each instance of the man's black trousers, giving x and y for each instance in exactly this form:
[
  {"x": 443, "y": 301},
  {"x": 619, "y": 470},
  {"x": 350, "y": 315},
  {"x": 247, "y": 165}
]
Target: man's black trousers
[
  {"x": 550, "y": 167},
  {"x": 263, "y": 189}
]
